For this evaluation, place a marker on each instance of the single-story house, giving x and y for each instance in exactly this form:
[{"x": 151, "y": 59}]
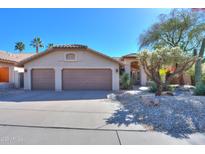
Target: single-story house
[
  {"x": 10, "y": 74},
  {"x": 70, "y": 67}
]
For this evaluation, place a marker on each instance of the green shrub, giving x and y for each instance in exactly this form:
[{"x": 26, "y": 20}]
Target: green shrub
[
  {"x": 171, "y": 88},
  {"x": 125, "y": 81},
  {"x": 152, "y": 87},
  {"x": 200, "y": 89}
]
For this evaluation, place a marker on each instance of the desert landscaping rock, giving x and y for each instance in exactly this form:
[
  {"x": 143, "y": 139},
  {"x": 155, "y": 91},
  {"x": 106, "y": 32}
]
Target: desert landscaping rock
[
  {"x": 177, "y": 116},
  {"x": 186, "y": 90},
  {"x": 150, "y": 100},
  {"x": 167, "y": 93}
]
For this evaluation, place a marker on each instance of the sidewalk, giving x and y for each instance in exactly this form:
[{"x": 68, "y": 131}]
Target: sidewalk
[{"x": 39, "y": 135}]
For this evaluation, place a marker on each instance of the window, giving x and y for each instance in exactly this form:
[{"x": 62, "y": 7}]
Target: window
[{"x": 70, "y": 57}]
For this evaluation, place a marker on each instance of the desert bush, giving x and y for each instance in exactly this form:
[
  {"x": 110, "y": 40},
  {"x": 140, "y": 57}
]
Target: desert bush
[
  {"x": 200, "y": 89},
  {"x": 125, "y": 81},
  {"x": 152, "y": 87},
  {"x": 171, "y": 88}
]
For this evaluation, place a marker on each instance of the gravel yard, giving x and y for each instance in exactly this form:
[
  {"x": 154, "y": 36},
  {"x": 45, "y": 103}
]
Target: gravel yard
[{"x": 178, "y": 116}]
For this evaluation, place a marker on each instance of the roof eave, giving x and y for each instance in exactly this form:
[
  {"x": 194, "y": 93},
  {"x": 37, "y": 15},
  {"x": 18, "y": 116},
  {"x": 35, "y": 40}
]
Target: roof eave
[
  {"x": 8, "y": 61},
  {"x": 21, "y": 63}
]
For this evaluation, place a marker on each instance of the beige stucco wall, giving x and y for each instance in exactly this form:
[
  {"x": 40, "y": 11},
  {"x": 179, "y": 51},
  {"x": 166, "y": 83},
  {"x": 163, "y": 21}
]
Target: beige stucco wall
[
  {"x": 143, "y": 76},
  {"x": 56, "y": 60},
  {"x": 13, "y": 73}
]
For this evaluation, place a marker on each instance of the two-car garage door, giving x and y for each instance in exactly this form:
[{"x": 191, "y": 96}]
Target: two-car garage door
[
  {"x": 87, "y": 79},
  {"x": 73, "y": 79}
]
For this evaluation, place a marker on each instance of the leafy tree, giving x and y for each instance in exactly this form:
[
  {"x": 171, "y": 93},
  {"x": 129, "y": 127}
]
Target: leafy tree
[
  {"x": 159, "y": 59},
  {"x": 50, "y": 45},
  {"x": 37, "y": 43},
  {"x": 184, "y": 28},
  {"x": 20, "y": 46}
]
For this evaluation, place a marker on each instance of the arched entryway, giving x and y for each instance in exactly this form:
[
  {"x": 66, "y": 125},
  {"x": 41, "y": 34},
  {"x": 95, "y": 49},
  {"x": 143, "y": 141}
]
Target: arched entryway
[
  {"x": 133, "y": 67},
  {"x": 135, "y": 72}
]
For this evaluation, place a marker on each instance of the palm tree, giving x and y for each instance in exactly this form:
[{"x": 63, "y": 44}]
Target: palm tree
[
  {"x": 19, "y": 46},
  {"x": 50, "y": 45},
  {"x": 37, "y": 43}
]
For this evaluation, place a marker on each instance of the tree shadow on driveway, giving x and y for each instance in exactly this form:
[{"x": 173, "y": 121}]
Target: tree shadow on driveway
[{"x": 175, "y": 116}]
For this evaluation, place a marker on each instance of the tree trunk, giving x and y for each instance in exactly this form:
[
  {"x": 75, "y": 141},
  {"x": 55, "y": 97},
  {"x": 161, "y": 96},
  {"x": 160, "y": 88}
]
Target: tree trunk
[
  {"x": 197, "y": 71},
  {"x": 181, "y": 79},
  {"x": 199, "y": 62},
  {"x": 159, "y": 89},
  {"x": 36, "y": 49},
  {"x": 166, "y": 86}
]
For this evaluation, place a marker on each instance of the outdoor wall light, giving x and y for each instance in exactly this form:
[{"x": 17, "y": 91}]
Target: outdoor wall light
[{"x": 117, "y": 70}]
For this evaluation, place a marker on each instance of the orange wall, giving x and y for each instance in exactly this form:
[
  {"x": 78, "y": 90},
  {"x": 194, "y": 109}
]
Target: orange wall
[{"x": 4, "y": 74}]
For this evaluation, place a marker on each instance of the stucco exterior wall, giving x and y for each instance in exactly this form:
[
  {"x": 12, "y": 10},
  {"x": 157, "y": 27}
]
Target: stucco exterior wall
[
  {"x": 13, "y": 74},
  {"x": 143, "y": 76},
  {"x": 56, "y": 60}
]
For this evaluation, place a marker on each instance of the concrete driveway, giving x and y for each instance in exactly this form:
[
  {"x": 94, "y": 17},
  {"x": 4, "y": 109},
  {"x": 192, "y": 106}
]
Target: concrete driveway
[{"x": 72, "y": 117}]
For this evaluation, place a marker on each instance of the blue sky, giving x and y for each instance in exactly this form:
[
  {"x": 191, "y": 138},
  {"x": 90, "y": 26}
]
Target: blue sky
[{"x": 113, "y": 32}]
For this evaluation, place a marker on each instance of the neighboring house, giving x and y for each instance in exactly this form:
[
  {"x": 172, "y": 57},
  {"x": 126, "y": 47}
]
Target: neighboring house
[
  {"x": 10, "y": 74},
  {"x": 71, "y": 67}
]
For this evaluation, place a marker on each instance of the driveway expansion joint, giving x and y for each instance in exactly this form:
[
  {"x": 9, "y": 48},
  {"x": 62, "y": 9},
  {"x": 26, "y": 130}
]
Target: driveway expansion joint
[
  {"x": 118, "y": 137},
  {"x": 69, "y": 128},
  {"x": 67, "y": 111}
]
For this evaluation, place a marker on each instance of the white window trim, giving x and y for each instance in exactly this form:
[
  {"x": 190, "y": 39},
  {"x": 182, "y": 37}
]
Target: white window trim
[{"x": 76, "y": 57}]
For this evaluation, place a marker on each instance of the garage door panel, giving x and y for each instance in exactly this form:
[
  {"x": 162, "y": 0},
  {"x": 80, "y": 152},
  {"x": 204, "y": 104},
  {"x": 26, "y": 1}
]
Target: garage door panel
[
  {"x": 87, "y": 79},
  {"x": 43, "y": 79}
]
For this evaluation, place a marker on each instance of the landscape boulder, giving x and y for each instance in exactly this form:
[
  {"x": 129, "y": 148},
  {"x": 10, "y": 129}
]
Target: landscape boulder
[{"x": 150, "y": 100}]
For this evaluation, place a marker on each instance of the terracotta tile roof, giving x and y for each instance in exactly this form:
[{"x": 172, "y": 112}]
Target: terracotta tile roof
[
  {"x": 77, "y": 46},
  {"x": 130, "y": 55},
  {"x": 117, "y": 58},
  {"x": 71, "y": 46},
  {"x": 13, "y": 57}
]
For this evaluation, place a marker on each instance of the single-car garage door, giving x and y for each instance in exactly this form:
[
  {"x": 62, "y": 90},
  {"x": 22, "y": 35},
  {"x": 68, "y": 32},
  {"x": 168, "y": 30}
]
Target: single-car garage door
[
  {"x": 87, "y": 79},
  {"x": 43, "y": 79}
]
